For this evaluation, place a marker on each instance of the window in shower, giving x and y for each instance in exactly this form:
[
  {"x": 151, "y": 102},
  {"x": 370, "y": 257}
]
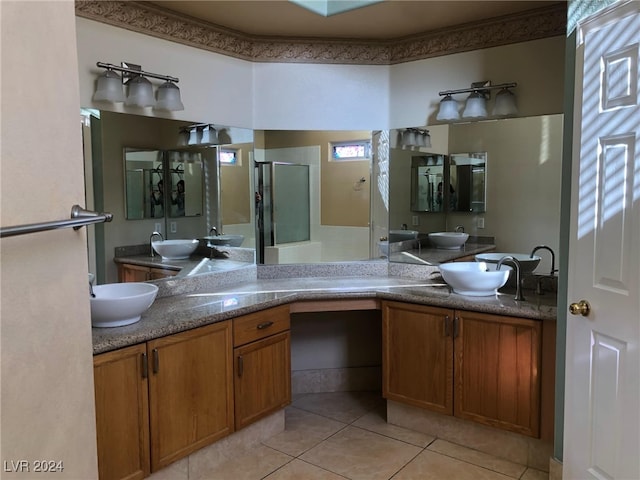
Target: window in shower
[{"x": 350, "y": 151}]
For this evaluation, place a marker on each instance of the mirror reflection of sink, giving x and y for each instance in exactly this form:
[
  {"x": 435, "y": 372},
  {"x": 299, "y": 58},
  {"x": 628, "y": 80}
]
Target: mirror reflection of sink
[
  {"x": 175, "y": 249},
  {"x": 225, "y": 239},
  {"x": 402, "y": 235},
  {"x": 119, "y": 304},
  {"x": 448, "y": 240},
  {"x": 527, "y": 263},
  {"x": 475, "y": 279}
]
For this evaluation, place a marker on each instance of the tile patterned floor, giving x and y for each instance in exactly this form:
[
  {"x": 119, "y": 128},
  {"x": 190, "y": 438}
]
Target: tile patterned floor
[{"x": 344, "y": 435}]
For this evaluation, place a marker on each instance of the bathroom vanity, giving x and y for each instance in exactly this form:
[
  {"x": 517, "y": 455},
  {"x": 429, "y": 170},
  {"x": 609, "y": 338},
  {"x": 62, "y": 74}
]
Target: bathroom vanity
[{"x": 224, "y": 341}]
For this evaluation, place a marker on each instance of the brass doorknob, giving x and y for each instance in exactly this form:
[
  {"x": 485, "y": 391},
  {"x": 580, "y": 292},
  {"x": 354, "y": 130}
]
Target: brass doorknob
[{"x": 580, "y": 308}]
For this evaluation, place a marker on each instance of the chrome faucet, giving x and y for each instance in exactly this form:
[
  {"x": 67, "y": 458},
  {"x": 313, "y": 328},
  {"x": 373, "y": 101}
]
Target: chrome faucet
[
  {"x": 151, "y": 242},
  {"x": 459, "y": 227},
  {"x": 553, "y": 257},
  {"x": 214, "y": 230},
  {"x": 516, "y": 264}
]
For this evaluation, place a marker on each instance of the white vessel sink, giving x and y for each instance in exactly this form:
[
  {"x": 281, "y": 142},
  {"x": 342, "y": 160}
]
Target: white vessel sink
[
  {"x": 175, "y": 249},
  {"x": 230, "y": 240},
  {"x": 119, "y": 304},
  {"x": 448, "y": 240},
  {"x": 402, "y": 235},
  {"x": 527, "y": 263},
  {"x": 475, "y": 279}
]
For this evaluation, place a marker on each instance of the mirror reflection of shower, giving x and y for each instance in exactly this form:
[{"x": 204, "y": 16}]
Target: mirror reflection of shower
[{"x": 426, "y": 183}]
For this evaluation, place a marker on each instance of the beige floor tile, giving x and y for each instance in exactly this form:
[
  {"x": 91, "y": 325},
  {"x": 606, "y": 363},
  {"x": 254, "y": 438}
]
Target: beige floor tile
[
  {"x": 433, "y": 466},
  {"x": 303, "y": 430},
  {"x": 374, "y": 422},
  {"x": 252, "y": 464},
  {"x": 533, "y": 474},
  {"x": 176, "y": 471},
  {"x": 360, "y": 454},
  {"x": 298, "y": 470},
  {"x": 341, "y": 406},
  {"x": 477, "y": 458}
]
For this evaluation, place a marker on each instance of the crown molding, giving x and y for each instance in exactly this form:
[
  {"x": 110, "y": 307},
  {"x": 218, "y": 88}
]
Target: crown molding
[{"x": 161, "y": 23}]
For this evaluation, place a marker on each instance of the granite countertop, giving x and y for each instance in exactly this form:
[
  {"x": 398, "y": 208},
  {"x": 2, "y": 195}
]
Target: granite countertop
[
  {"x": 206, "y": 299},
  {"x": 194, "y": 265},
  {"x": 428, "y": 255}
]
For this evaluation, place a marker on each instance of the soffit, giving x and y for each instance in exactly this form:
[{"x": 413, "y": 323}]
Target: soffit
[{"x": 385, "y": 33}]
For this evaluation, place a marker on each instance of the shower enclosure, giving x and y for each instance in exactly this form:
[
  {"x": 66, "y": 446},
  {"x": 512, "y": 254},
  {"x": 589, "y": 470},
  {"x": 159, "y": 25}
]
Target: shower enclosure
[{"x": 282, "y": 205}]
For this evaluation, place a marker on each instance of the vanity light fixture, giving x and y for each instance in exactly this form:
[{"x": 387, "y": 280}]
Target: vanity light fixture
[
  {"x": 109, "y": 87},
  {"x": 415, "y": 137},
  {"x": 198, "y": 134},
  {"x": 476, "y": 104}
]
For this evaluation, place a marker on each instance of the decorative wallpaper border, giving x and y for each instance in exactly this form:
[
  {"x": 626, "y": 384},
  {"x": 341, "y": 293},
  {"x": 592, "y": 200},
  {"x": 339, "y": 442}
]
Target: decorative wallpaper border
[{"x": 159, "y": 22}]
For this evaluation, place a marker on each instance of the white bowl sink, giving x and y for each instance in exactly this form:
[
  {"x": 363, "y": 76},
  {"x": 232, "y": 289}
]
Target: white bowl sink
[
  {"x": 402, "y": 235},
  {"x": 230, "y": 240},
  {"x": 118, "y": 304},
  {"x": 175, "y": 249},
  {"x": 448, "y": 240},
  {"x": 475, "y": 279},
  {"x": 527, "y": 263}
]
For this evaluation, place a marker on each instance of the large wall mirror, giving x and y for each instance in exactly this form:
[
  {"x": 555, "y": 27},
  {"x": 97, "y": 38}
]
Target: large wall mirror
[
  {"x": 136, "y": 169},
  {"x": 514, "y": 199},
  {"x": 225, "y": 177}
]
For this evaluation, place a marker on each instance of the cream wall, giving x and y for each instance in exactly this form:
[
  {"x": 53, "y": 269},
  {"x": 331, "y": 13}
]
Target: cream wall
[
  {"x": 47, "y": 373},
  {"x": 537, "y": 67}
]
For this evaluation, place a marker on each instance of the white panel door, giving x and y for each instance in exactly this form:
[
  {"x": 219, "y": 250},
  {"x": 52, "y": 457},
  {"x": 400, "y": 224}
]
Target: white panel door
[{"x": 602, "y": 402}]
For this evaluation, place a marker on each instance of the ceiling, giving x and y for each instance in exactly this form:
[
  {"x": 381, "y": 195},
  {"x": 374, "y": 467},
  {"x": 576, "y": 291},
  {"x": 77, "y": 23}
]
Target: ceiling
[{"x": 389, "y": 19}]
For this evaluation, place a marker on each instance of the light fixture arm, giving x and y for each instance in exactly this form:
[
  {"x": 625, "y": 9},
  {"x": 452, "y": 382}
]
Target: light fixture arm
[
  {"x": 478, "y": 87},
  {"x": 135, "y": 70}
]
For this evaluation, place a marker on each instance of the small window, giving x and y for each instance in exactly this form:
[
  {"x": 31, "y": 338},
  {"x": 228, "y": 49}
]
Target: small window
[
  {"x": 350, "y": 151},
  {"x": 228, "y": 157}
]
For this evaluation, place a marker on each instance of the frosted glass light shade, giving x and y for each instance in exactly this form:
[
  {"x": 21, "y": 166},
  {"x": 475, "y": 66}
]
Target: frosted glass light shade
[
  {"x": 476, "y": 106},
  {"x": 209, "y": 135},
  {"x": 448, "y": 109},
  {"x": 109, "y": 88},
  {"x": 426, "y": 140},
  {"x": 183, "y": 137},
  {"x": 140, "y": 93},
  {"x": 505, "y": 103},
  {"x": 169, "y": 97}
]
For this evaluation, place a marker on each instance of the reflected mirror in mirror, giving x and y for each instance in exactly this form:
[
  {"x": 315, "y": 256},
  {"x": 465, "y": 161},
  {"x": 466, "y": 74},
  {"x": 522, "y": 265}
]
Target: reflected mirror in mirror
[
  {"x": 186, "y": 174},
  {"x": 427, "y": 175},
  {"x": 467, "y": 182},
  {"x": 144, "y": 192}
]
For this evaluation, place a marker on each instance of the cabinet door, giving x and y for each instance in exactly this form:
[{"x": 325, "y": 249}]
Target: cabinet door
[
  {"x": 417, "y": 356},
  {"x": 497, "y": 371},
  {"x": 190, "y": 391},
  {"x": 157, "y": 273},
  {"x": 122, "y": 414},
  {"x": 262, "y": 378},
  {"x": 132, "y": 273}
]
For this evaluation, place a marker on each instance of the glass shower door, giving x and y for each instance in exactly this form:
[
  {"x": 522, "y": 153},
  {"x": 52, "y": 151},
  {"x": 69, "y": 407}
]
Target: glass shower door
[{"x": 282, "y": 205}]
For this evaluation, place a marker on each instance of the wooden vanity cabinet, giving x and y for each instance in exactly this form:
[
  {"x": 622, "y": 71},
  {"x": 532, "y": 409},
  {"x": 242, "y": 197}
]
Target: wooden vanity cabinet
[
  {"x": 157, "y": 402},
  {"x": 122, "y": 414},
  {"x": 417, "y": 356},
  {"x": 138, "y": 273},
  {"x": 475, "y": 366},
  {"x": 497, "y": 367},
  {"x": 190, "y": 391},
  {"x": 262, "y": 364}
]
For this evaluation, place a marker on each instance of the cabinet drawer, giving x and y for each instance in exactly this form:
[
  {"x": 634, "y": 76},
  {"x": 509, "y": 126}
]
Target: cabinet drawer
[{"x": 260, "y": 325}]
